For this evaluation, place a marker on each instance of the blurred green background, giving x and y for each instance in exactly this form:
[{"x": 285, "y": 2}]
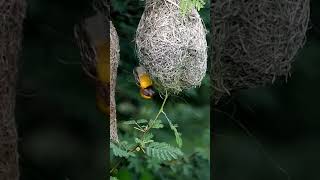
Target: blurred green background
[
  {"x": 284, "y": 120},
  {"x": 190, "y": 110}
]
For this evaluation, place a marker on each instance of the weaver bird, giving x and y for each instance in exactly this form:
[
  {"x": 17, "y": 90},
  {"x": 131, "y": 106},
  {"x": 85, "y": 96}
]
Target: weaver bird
[
  {"x": 144, "y": 81},
  {"x": 97, "y": 40},
  {"x": 92, "y": 37}
]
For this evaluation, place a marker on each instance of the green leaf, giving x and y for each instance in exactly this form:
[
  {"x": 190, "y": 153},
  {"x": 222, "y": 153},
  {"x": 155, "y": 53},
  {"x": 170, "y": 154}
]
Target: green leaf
[
  {"x": 125, "y": 145},
  {"x": 157, "y": 124},
  {"x": 120, "y": 152},
  {"x": 130, "y": 122},
  {"x": 187, "y": 5},
  {"x": 176, "y": 133},
  {"x": 113, "y": 178},
  {"x": 163, "y": 151},
  {"x": 137, "y": 140},
  {"x": 141, "y": 121},
  {"x": 148, "y": 137}
]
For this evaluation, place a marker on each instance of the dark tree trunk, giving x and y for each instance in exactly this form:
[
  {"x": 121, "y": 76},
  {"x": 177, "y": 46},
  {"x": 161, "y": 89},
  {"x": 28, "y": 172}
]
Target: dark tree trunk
[{"x": 12, "y": 13}]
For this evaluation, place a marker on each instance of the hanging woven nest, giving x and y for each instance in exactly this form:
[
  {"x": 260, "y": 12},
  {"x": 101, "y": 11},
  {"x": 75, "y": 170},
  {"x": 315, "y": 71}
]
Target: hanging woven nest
[
  {"x": 172, "y": 47},
  {"x": 255, "y": 41}
]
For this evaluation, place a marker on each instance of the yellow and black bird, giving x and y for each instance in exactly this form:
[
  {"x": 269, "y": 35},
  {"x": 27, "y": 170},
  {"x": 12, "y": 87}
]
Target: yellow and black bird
[
  {"x": 144, "y": 81},
  {"x": 99, "y": 48}
]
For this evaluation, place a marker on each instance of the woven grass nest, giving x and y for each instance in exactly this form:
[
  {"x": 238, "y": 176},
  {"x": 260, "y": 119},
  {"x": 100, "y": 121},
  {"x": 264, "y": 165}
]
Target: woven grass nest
[
  {"x": 114, "y": 61},
  {"x": 114, "y": 56},
  {"x": 255, "y": 41},
  {"x": 172, "y": 47}
]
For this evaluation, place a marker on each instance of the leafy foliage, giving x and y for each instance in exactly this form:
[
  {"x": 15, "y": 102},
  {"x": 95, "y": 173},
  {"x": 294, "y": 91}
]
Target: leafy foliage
[
  {"x": 141, "y": 121},
  {"x": 157, "y": 124},
  {"x": 146, "y": 139},
  {"x": 120, "y": 152},
  {"x": 163, "y": 151},
  {"x": 187, "y": 5},
  {"x": 176, "y": 133}
]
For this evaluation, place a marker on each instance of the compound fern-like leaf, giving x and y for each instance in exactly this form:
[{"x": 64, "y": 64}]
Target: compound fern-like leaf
[
  {"x": 120, "y": 152},
  {"x": 163, "y": 151}
]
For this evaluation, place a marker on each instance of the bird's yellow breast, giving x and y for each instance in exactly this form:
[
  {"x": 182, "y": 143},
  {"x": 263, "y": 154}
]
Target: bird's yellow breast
[
  {"x": 103, "y": 62},
  {"x": 103, "y": 76},
  {"x": 145, "y": 81}
]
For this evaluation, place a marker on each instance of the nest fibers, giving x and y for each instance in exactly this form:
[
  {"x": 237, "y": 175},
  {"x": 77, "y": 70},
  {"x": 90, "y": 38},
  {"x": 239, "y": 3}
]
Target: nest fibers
[
  {"x": 172, "y": 47},
  {"x": 114, "y": 61},
  {"x": 254, "y": 41}
]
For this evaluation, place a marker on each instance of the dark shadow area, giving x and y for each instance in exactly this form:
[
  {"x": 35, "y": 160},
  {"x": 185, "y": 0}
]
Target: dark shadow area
[{"x": 61, "y": 134}]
